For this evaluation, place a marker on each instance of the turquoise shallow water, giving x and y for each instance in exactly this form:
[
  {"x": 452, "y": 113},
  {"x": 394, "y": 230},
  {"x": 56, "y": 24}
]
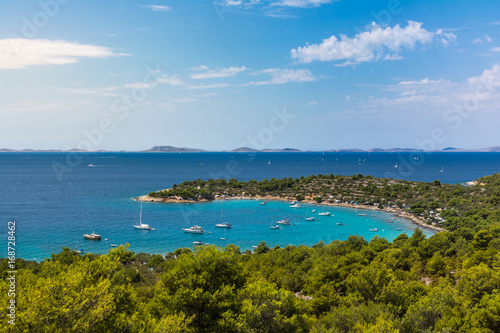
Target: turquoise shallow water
[
  {"x": 52, "y": 212},
  {"x": 251, "y": 224}
]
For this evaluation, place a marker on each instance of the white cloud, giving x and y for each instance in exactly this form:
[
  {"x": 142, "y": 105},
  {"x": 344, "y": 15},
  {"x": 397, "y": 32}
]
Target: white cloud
[
  {"x": 495, "y": 49},
  {"x": 377, "y": 43},
  {"x": 302, "y": 3},
  {"x": 488, "y": 38},
  {"x": 423, "y": 81},
  {"x": 477, "y": 41},
  {"x": 209, "y": 86},
  {"x": 216, "y": 73},
  {"x": 199, "y": 68},
  {"x": 479, "y": 93},
  {"x": 284, "y": 75},
  {"x": 21, "y": 53},
  {"x": 157, "y": 8},
  {"x": 103, "y": 91},
  {"x": 312, "y": 103}
]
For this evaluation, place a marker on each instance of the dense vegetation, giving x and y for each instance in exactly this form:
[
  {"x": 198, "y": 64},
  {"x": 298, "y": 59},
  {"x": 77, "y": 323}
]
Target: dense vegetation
[
  {"x": 452, "y": 206},
  {"x": 449, "y": 282}
]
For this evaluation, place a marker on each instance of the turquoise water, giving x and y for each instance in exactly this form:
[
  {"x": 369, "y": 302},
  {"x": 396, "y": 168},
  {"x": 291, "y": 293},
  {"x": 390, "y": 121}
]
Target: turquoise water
[
  {"x": 52, "y": 212},
  {"x": 251, "y": 224}
]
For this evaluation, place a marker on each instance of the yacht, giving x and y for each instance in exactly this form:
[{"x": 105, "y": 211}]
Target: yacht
[
  {"x": 284, "y": 222},
  {"x": 323, "y": 213},
  {"x": 197, "y": 243},
  {"x": 295, "y": 205},
  {"x": 312, "y": 218},
  {"x": 141, "y": 225},
  {"x": 340, "y": 223},
  {"x": 194, "y": 230},
  {"x": 222, "y": 224},
  {"x": 374, "y": 229},
  {"x": 92, "y": 236}
]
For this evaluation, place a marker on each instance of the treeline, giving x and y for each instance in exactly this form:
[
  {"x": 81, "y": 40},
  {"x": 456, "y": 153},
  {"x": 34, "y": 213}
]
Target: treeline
[
  {"x": 450, "y": 206},
  {"x": 449, "y": 282}
]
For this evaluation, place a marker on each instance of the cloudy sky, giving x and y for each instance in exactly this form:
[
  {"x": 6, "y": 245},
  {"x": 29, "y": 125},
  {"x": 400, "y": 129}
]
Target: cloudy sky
[{"x": 309, "y": 74}]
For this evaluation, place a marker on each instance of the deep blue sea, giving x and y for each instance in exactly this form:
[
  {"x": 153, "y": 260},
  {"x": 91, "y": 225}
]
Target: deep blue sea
[{"x": 56, "y": 197}]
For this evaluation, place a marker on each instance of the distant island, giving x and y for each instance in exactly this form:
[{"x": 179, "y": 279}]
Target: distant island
[{"x": 172, "y": 149}]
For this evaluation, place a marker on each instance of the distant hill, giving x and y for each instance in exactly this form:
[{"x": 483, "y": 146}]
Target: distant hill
[{"x": 172, "y": 149}]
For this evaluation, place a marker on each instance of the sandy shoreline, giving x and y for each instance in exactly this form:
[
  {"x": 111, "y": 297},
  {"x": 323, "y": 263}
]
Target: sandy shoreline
[{"x": 400, "y": 213}]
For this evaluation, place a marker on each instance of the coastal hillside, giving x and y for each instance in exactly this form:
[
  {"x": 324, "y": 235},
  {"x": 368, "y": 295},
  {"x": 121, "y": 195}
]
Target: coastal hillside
[{"x": 448, "y": 282}]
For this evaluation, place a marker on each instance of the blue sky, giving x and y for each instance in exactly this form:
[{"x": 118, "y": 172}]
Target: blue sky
[{"x": 309, "y": 74}]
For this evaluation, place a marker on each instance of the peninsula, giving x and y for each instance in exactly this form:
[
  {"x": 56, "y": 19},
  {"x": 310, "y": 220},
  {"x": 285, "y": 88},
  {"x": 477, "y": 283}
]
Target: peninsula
[{"x": 432, "y": 205}]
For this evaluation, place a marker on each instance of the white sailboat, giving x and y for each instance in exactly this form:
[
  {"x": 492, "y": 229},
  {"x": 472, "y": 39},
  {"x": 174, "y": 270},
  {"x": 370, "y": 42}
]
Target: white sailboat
[
  {"x": 442, "y": 169},
  {"x": 222, "y": 224},
  {"x": 141, "y": 225},
  {"x": 323, "y": 213},
  {"x": 310, "y": 218}
]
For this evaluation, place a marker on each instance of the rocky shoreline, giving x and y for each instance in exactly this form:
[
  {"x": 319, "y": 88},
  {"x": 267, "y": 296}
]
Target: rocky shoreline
[{"x": 400, "y": 213}]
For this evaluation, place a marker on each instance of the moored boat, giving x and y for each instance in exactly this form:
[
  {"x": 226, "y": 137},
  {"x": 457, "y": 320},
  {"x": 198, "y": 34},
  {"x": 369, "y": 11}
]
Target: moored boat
[
  {"x": 194, "y": 230},
  {"x": 92, "y": 236}
]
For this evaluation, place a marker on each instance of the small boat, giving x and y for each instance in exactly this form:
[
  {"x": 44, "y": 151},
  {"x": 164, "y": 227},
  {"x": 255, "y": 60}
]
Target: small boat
[
  {"x": 91, "y": 165},
  {"x": 222, "y": 238},
  {"x": 314, "y": 210},
  {"x": 374, "y": 229},
  {"x": 92, "y": 236},
  {"x": 361, "y": 214},
  {"x": 340, "y": 223},
  {"x": 284, "y": 222},
  {"x": 222, "y": 224},
  {"x": 310, "y": 218},
  {"x": 275, "y": 226},
  {"x": 323, "y": 213},
  {"x": 442, "y": 169},
  {"x": 114, "y": 245},
  {"x": 396, "y": 165},
  {"x": 141, "y": 225},
  {"x": 194, "y": 230},
  {"x": 197, "y": 243},
  {"x": 269, "y": 162},
  {"x": 399, "y": 228},
  {"x": 295, "y": 205},
  {"x": 263, "y": 203}
]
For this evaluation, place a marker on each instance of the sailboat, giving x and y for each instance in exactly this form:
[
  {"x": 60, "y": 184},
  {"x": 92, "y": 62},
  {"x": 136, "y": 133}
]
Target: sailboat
[
  {"x": 311, "y": 218},
  {"x": 222, "y": 224},
  {"x": 396, "y": 165},
  {"x": 141, "y": 225},
  {"x": 442, "y": 169},
  {"x": 323, "y": 213}
]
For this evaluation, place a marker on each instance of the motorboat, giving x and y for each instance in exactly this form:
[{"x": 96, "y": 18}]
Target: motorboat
[
  {"x": 295, "y": 205},
  {"x": 340, "y": 223},
  {"x": 197, "y": 243},
  {"x": 374, "y": 229},
  {"x": 283, "y": 222},
  {"x": 312, "y": 218},
  {"x": 194, "y": 230},
  {"x": 92, "y": 236}
]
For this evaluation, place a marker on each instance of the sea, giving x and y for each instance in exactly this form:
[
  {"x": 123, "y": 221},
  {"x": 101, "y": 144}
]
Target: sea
[{"x": 55, "y": 198}]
